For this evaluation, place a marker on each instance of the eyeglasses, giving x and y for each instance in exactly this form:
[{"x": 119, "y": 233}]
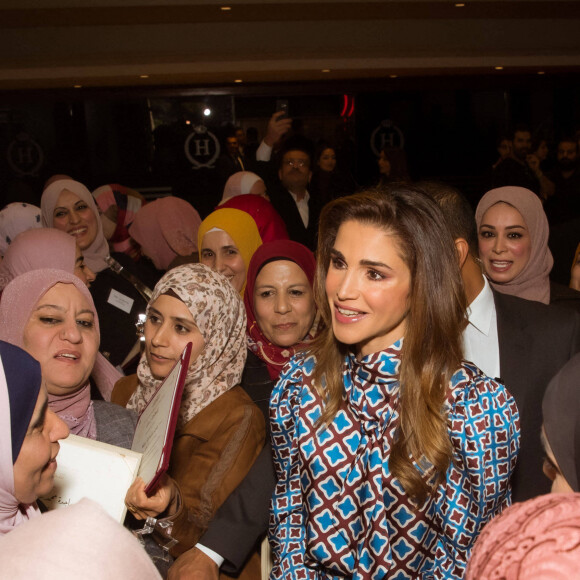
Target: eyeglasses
[{"x": 296, "y": 162}]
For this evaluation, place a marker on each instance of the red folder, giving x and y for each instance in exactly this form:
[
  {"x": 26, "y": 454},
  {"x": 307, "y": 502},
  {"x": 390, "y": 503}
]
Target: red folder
[{"x": 157, "y": 422}]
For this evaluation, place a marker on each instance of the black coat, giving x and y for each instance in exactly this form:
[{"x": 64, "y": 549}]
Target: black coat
[{"x": 535, "y": 341}]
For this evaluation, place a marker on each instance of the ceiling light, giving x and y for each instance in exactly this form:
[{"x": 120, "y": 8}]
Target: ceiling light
[
  {"x": 325, "y": 70},
  {"x": 393, "y": 76},
  {"x": 459, "y": 5},
  {"x": 499, "y": 68},
  {"x": 78, "y": 86},
  {"x": 143, "y": 76},
  {"x": 207, "y": 112},
  {"x": 238, "y": 81},
  {"x": 541, "y": 72},
  {"x": 225, "y": 8}
]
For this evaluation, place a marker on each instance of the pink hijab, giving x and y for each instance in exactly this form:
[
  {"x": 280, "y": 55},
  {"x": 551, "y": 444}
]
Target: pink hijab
[
  {"x": 96, "y": 253},
  {"x": 535, "y": 540},
  {"x": 18, "y": 301},
  {"x": 51, "y": 248},
  {"x": 239, "y": 183},
  {"x": 78, "y": 541},
  {"x": 36, "y": 249},
  {"x": 166, "y": 228},
  {"x": 533, "y": 282}
]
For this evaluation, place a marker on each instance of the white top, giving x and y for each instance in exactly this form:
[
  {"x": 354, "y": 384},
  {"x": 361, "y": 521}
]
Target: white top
[
  {"x": 302, "y": 206},
  {"x": 480, "y": 341},
  {"x": 264, "y": 152},
  {"x": 209, "y": 552}
]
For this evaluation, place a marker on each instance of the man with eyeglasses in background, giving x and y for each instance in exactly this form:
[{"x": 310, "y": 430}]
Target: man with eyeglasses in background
[
  {"x": 290, "y": 155},
  {"x": 290, "y": 196}
]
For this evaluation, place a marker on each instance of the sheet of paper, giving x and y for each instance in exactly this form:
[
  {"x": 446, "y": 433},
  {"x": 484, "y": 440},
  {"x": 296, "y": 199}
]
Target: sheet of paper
[
  {"x": 99, "y": 471},
  {"x": 151, "y": 432}
]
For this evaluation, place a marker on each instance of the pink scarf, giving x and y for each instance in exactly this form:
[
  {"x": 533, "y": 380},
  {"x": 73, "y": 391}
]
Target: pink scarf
[
  {"x": 166, "y": 228},
  {"x": 239, "y": 183},
  {"x": 539, "y": 539},
  {"x": 50, "y": 248},
  {"x": 532, "y": 283},
  {"x": 36, "y": 249},
  {"x": 79, "y": 541},
  {"x": 18, "y": 301}
]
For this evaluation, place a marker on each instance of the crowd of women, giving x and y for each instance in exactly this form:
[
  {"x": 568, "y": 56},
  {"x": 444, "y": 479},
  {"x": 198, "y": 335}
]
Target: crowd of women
[{"x": 391, "y": 453}]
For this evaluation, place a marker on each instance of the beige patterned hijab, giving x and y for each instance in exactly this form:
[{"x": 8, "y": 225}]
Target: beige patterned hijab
[{"x": 219, "y": 313}]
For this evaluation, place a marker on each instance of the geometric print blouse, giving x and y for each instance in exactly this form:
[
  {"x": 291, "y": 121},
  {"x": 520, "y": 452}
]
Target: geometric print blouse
[{"x": 338, "y": 512}]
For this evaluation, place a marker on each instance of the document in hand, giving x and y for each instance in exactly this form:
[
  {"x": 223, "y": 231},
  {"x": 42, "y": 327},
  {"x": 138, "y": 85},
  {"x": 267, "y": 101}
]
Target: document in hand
[
  {"x": 156, "y": 426},
  {"x": 103, "y": 472}
]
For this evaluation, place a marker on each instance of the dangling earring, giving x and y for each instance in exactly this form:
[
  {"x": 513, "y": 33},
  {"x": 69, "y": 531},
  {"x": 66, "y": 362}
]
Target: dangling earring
[{"x": 140, "y": 326}]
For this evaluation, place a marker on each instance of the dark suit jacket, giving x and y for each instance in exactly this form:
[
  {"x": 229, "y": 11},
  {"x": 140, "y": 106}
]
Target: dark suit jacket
[
  {"x": 535, "y": 341},
  {"x": 285, "y": 205},
  {"x": 226, "y": 166}
]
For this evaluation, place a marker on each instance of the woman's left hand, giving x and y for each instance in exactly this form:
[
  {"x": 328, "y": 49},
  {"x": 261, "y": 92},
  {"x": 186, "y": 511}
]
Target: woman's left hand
[{"x": 143, "y": 506}]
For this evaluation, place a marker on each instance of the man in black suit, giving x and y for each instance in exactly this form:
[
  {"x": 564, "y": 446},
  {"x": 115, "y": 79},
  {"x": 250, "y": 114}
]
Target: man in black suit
[
  {"x": 522, "y": 342},
  {"x": 290, "y": 197},
  {"x": 229, "y": 162}
]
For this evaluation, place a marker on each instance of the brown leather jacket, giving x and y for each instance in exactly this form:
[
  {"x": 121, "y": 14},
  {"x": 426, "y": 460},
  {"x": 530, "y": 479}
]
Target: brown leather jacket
[{"x": 210, "y": 457}]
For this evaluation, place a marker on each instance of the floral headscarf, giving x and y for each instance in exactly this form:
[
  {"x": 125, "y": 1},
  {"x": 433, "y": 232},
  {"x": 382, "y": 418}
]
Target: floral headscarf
[
  {"x": 219, "y": 314},
  {"x": 16, "y": 218}
]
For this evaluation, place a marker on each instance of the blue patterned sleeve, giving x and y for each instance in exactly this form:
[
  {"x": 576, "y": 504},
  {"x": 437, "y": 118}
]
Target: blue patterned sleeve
[
  {"x": 287, "y": 533},
  {"x": 484, "y": 429}
]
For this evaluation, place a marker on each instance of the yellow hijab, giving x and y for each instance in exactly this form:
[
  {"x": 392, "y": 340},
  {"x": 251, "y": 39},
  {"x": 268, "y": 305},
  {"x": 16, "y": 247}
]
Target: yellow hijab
[{"x": 240, "y": 226}]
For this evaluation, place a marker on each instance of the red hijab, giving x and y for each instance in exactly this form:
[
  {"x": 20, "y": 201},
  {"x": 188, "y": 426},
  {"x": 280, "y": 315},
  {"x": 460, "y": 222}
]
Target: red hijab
[
  {"x": 270, "y": 225},
  {"x": 273, "y": 355}
]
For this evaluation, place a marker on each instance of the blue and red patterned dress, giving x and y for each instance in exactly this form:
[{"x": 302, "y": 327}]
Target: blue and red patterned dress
[{"x": 337, "y": 511}]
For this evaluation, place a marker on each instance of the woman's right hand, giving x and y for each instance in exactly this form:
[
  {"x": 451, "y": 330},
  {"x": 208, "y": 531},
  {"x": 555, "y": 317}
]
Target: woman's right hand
[{"x": 143, "y": 506}]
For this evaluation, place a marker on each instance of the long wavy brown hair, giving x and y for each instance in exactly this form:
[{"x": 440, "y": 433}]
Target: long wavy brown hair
[{"x": 432, "y": 348}]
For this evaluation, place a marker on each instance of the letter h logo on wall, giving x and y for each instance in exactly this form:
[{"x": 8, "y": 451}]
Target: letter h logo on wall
[
  {"x": 201, "y": 147},
  {"x": 24, "y": 155}
]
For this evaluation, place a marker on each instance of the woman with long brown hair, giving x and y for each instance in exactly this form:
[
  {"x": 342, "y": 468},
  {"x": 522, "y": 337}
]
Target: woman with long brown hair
[{"x": 391, "y": 452}]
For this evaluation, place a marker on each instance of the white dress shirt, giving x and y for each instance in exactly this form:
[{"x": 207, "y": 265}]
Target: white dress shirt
[
  {"x": 302, "y": 206},
  {"x": 480, "y": 341}
]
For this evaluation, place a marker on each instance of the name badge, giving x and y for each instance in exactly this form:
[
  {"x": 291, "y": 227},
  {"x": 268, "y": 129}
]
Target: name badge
[{"x": 120, "y": 301}]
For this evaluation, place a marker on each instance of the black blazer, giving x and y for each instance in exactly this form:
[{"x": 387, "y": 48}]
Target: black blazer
[
  {"x": 285, "y": 205},
  {"x": 535, "y": 341}
]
